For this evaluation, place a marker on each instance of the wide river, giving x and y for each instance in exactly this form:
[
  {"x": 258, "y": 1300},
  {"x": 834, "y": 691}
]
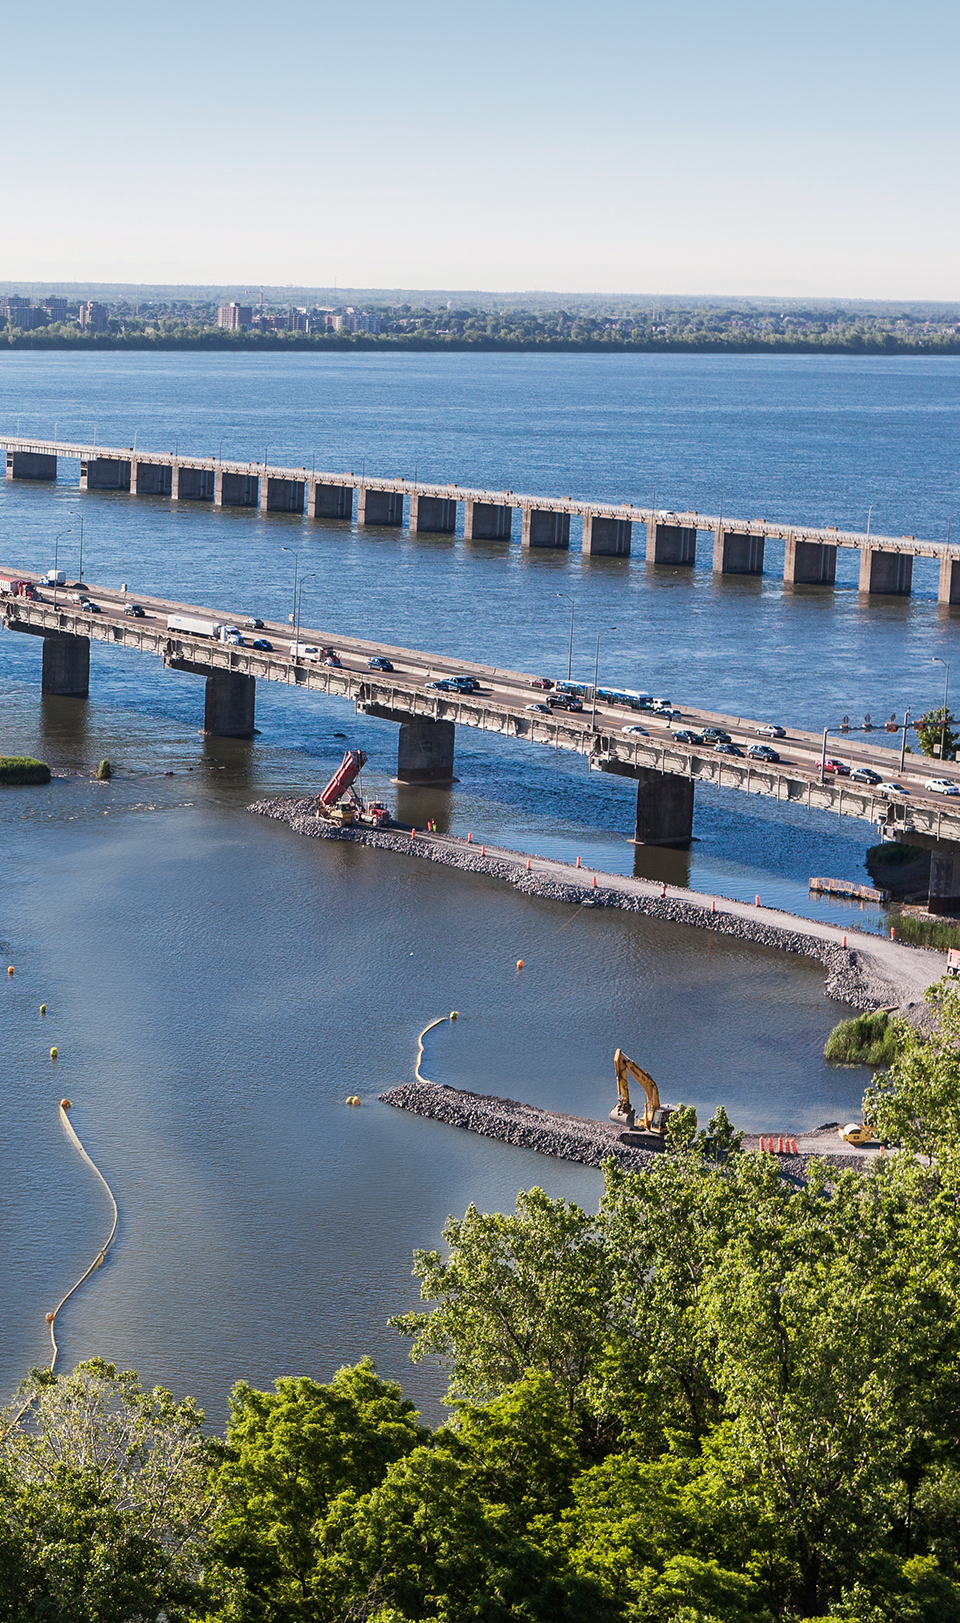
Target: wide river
[{"x": 216, "y": 986}]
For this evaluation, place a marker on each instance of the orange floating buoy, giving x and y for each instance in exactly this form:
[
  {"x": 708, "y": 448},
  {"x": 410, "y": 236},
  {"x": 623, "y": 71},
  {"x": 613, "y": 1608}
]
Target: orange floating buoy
[
  {"x": 519, "y": 963},
  {"x": 65, "y": 1104},
  {"x": 9, "y": 969},
  {"x": 50, "y": 1318}
]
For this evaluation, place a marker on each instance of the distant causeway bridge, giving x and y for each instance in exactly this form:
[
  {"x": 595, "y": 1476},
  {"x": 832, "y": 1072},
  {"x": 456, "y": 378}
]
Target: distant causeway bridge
[{"x": 606, "y": 528}]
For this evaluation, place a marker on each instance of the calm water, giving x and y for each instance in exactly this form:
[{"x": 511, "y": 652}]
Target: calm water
[{"x": 216, "y": 986}]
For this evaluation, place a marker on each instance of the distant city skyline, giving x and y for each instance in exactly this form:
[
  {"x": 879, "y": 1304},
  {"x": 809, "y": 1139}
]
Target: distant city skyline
[{"x": 636, "y": 150}]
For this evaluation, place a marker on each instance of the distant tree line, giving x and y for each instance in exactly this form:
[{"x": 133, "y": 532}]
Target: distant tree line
[
  {"x": 728, "y": 1397},
  {"x": 698, "y": 326}
]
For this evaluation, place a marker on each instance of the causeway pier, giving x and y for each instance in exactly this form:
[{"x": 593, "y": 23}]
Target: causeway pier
[{"x": 604, "y": 529}]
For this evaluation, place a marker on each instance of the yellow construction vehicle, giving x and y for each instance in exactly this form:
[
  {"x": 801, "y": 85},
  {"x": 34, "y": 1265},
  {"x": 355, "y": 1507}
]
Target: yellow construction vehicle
[
  {"x": 655, "y": 1115},
  {"x": 857, "y": 1132}
]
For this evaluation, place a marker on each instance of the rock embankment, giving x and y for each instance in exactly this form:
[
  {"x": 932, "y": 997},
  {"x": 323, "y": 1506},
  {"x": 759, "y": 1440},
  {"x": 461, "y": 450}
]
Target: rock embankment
[
  {"x": 850, "y": 977},
  {"x": 551, "y": 1132}
]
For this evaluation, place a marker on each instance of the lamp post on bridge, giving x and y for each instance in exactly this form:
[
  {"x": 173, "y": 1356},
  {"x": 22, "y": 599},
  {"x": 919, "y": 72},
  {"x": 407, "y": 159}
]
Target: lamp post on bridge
[
  {"x": 946, "y": 690},
  {"x": 56, "y": 561},
  {"x": 296, "y": 635},
  {"x": 573, "y": 610},
  {"x": 903, "y": 741},
  {"x": 596, "y": 674},
  {"x": 296, "y": 567}
]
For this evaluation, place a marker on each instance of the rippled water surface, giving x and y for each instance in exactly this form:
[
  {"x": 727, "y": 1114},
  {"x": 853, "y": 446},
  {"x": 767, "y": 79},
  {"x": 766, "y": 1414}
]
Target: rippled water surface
[{"x": 216, "y": 985}]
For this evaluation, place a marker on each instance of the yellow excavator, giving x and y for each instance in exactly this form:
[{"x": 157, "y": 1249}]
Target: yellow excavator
[{"x": 655, "y": 1115}]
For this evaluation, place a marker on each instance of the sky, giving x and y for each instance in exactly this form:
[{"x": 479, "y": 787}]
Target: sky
[{"x": 674, "y": 148}]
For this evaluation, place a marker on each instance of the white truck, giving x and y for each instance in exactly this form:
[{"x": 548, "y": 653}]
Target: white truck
[
  {"x": 194, "y": 626},
  {"x": 304, "y": 650}
]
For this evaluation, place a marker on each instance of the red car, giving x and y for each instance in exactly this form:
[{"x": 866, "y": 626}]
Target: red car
[
  {"x": 541, "y": 682},
  {"x": 839, "y": 767}
]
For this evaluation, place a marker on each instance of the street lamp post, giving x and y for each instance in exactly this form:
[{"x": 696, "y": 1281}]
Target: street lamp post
[
  {"x": 903, "y": 741},
  {"x": 56, "y": 561},
  {"x": 946, "y": 690},
  {"x": 296, "y": 567},
  {"x": 573, "y": 610},
  {"x": 596, "y": 674},
  {"x": 296, "y": 635},
  {"x": 80, "y": 570}
]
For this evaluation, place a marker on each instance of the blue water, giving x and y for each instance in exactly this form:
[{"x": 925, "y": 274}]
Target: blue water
[{"x": 217, "y": 986}]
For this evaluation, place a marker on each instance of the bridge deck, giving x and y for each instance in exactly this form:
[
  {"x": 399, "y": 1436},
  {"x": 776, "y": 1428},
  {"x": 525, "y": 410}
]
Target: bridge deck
[{"x": 501, "y": 707}]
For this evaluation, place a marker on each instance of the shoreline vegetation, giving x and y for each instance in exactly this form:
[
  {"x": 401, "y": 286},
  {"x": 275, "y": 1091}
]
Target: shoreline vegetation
[
  {"x": 321, "y": 321},
  {"x": 23, "y": 769}
]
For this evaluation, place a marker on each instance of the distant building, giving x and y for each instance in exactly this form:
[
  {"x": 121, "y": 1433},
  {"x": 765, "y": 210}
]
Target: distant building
[
  {"x": 367, "y": 323},
  {"x": 93, "y": 316},
  {"x": 234, "y": 316},
  {"x": 21, "y": 313},
  {"x": 296, "y": 320},
  {"x": 54, "y": 309},
  {"x": 345, "y": 320}
]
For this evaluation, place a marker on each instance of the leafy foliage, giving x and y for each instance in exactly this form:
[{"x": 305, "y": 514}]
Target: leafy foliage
[{"x": 869, "y": 1039}]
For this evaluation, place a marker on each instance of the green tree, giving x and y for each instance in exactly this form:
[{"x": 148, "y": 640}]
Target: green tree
[
  {"x": 291, "y": 1453},
  {"x": 518, "y": 1293},
  {"x": 937, "y": 727},
  {"x": 106, "y": 1500},
  {"x": 916, "y": 1103}
]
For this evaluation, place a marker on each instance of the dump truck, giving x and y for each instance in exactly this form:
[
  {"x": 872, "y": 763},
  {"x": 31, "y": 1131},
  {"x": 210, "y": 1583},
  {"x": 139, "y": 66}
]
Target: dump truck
[{"x": 339, "y": 802}]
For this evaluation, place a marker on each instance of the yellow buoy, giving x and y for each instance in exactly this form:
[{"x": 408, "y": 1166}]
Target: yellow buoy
[
  {"x": 9, "y": 969},
  {"x": 43, "y": 1008},
  {"x": 519, "y": 963},
  {"x": 454, "y": 1014},
  {"x": 53, "y": 1053},
  {"x": 65, "y": 1104},
  {"x": 50, "y": 1318}
]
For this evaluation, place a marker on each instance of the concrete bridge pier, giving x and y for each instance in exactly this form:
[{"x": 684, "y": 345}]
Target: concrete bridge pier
[
  {"x": 281, "y": 495},
  {"x": 944, "y": 894},
  {"x": 329, "y": 501},
  {"x": 886, "y": 574},
  {"x": 671, "y": 543},
  {"x": 606, "y": 537},
  {"x": 31, "y": 465},
  {"x": 150, "y": 478},
  {"x": 543, "y": 527},
  {"x": 949, "y": 580},
  {"x": 664, "y": 808},
  {"x": 737, "y": 552},
  {"x": 236, "y": 489},
  {"x": 486, "y": 521},
  {"x": 379, "y": 506},
  {"x": 104, "y": 473},
  {"x": 432, "y": 515},
  {"x": 192, "y": 484},
  {"x": 809, "y": 563},
  {"x": 425, "y": 752},
  {"x": 66, "y": 665},
  {"x": 229, "y": 705}
]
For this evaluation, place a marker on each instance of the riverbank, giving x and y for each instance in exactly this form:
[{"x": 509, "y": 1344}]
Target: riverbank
[{"x": 865, "y": 971}]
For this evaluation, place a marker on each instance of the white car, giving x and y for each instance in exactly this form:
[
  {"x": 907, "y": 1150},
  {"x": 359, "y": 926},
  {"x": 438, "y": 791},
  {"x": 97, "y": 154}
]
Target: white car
[
  {"x": 942, "y": 786},
  {"x": 891, "y": 789},
  {"x": 639, "y": 732},
  {"x": 771, "y": 732},
  {"x": 540, "y": 709}
]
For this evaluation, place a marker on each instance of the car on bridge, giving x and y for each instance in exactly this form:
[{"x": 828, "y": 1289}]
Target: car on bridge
[
  {"x": 90, "y": 608},
  {"x": 541, "y": 709},
  {"x": 444, "y": 685},
  {"x": 727, "y": 748},
  {"x": 840, "y": 768},
  {"x": 135, "y": 610},
  {"x": 377, "y": 662},
  {"x": 638, "y": 732},
  {"x": 566, "y": 701},
  {"x": 330, "y": 658},
  {"x": 465, "y": 684},
  {"x": 942, "y": 786},
  {"x": 264, "y": 646},
  {"x": 864, "y": 774},
  {"x": 253, "y": 624},
  {"x": 686, "y": 736},
  {"x": 891, "y": 789},
  {"x": 715, "y": 735},
  {"x": 771, "y": 731},
  {"x": 541, "y": 682},
  {"x": 763, "y": 752}
]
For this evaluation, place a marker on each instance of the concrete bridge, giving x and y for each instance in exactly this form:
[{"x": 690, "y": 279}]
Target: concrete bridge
[
  {"x": 606, "y": 528},
  {"x": 665, "y": 769}
]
